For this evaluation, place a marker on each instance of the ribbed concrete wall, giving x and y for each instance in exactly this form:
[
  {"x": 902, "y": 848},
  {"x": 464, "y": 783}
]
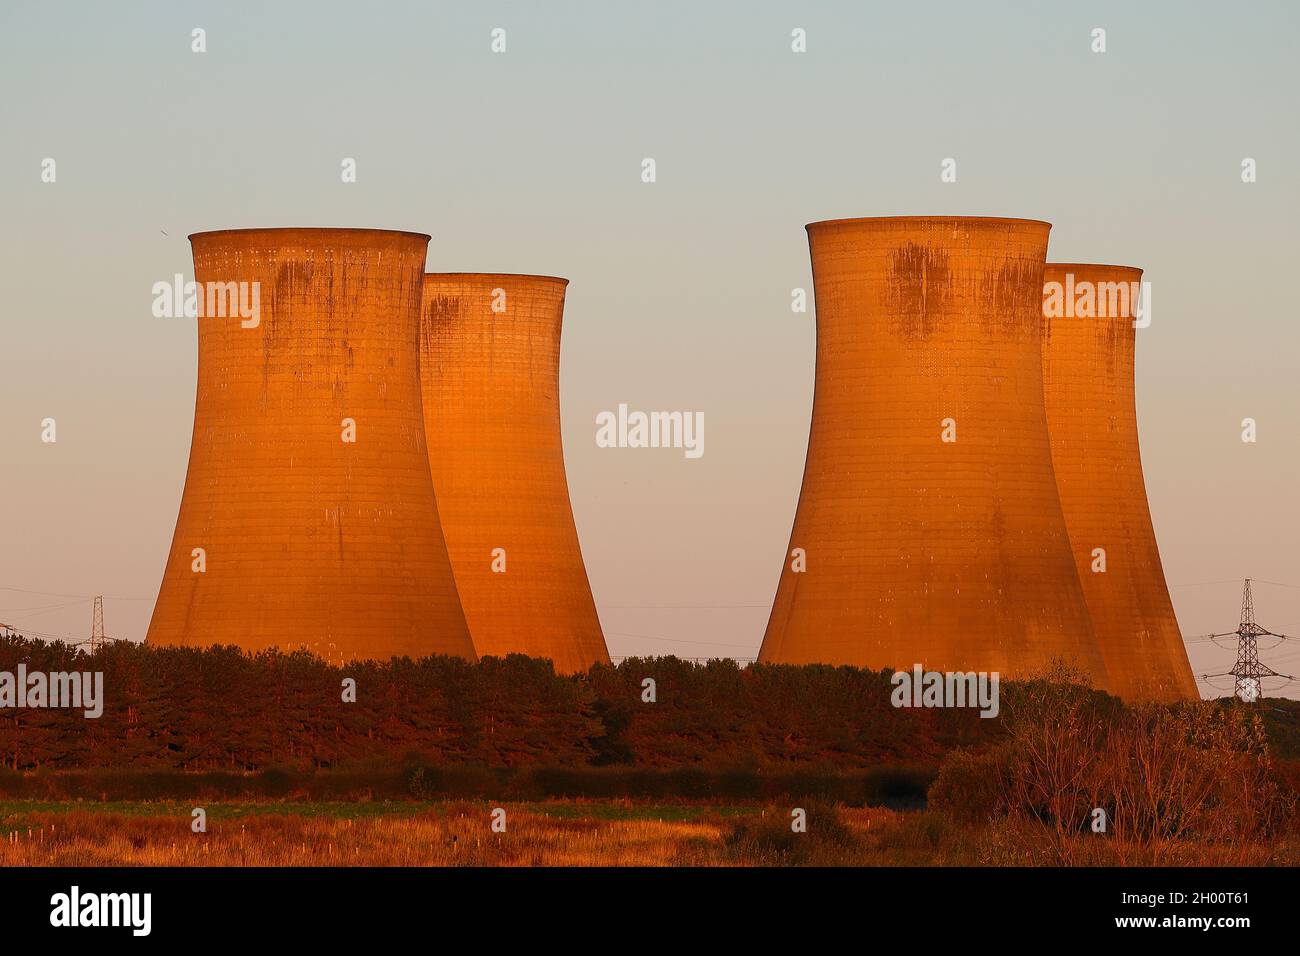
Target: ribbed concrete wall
[
  {"x": 954, "y": 555},
  {"x": 310, "y": 541},
  {"x": 1088, "y": 365},
  {"x": 492, "y": 414}
]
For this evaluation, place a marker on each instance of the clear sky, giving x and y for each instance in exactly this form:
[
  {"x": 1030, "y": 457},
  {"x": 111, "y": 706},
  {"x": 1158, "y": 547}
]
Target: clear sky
[{"x": 530, "y": 161}]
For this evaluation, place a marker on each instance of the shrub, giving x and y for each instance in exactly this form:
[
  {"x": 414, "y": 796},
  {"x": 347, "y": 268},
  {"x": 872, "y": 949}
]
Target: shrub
[
  {"x": 970, "y": 786},
  {"x": 1161, "y": 775},
  {"x": 770, "y": 839}
]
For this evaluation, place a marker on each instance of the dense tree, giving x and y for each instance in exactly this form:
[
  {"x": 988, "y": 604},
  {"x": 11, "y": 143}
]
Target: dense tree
[{"x": 224, "y": 709}]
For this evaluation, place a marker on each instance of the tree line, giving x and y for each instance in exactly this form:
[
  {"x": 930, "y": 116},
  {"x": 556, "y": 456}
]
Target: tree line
[{"x": 224, "y": 709}]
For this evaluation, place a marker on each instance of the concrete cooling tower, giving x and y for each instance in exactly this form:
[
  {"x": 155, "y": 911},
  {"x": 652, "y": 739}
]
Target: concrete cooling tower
[
  {"x": 490, "y": 362},
  {"x": 1088, "y": 344},
  {"x": 929, "y": 529},
  {"x": 308, "y": 518}
]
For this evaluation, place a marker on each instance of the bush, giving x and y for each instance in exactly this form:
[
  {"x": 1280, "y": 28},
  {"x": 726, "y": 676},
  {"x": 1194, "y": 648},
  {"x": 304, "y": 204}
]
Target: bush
[
  {"x": 769, "y": 839},
  {"x": 1161, "y": 775},
  {"x": 903, "y": 787},
  {"x": 442, "y": 783},
  {"x": 970, "y": 786}
]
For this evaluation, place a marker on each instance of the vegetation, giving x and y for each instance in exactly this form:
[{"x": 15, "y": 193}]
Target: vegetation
[
  {"x": 591, "y": 773},
  {"x": 223, "y": 709},
  {"x": 1148, "y": 780},
  {"x": 571, "y": 833},
  {"x": 901, "y": 786}
]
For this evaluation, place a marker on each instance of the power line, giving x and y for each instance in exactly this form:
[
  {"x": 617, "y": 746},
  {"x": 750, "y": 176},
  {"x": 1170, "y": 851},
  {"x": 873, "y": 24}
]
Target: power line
[
  {"x": 678, "y": 640},
  {"x": 675, "y": 607},
  {"x": 43, "y": 607},
  {"x": 85, "y": 597},
  {"x": 618, "y": 659},
  {"x": 28, "y": 632},
  {"x": 1203, "y": 584}
]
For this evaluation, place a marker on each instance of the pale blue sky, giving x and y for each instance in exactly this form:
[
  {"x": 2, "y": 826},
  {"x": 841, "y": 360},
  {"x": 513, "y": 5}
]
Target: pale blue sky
[{"x": 529, "y": 162}]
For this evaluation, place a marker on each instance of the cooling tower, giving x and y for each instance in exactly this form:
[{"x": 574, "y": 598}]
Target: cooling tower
[
  {"x": 490, "y": 363},
  {"x": 308, "y": 488},
  {"x": 1088, "y": 343},
  {"x": 929, "y": 528}
]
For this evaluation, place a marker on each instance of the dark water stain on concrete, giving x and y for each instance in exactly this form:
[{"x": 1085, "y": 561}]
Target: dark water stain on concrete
[
  {"x": 1011, "y": 297},
  {"x": 919, "y": 290}
]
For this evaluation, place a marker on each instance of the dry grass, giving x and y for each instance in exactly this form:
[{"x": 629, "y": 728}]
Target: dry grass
[
  {"x": 445, "y": 836},
  {"x": 569, "y": 833}
]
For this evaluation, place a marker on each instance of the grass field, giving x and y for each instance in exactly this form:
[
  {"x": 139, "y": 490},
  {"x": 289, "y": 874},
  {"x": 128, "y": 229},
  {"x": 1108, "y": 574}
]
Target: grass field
[{"x": 559, "y": 833}]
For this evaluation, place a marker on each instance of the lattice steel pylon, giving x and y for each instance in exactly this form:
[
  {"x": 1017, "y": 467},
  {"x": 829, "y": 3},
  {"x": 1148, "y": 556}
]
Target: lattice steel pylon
[
  {"x": 97, "y": 638},
  {"x": 1248, "y": 672}
]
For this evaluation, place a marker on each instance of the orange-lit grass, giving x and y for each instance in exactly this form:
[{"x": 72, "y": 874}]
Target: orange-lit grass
[
  {"x": 568, "y": 833},
  {"x": 459, "y": 834}
]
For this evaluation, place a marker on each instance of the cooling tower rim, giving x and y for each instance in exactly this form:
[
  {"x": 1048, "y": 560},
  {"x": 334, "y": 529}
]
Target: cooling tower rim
[
  {"x": 916, "y": 220},
  {"x": 495, "y": 275},
  {"x": 315, "y": 230}
]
